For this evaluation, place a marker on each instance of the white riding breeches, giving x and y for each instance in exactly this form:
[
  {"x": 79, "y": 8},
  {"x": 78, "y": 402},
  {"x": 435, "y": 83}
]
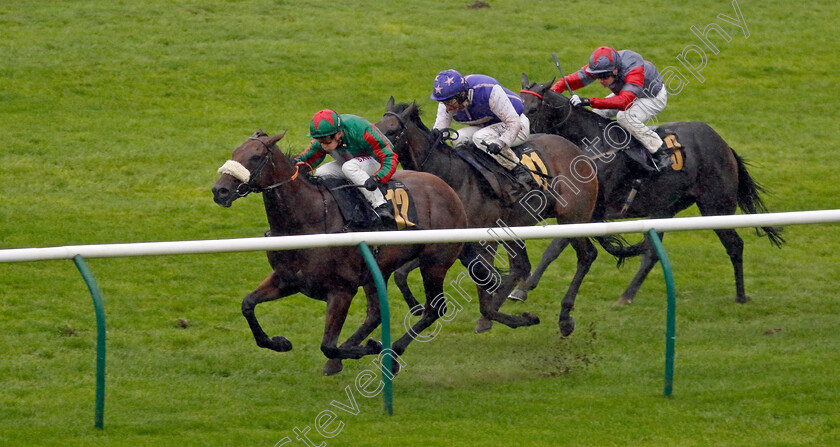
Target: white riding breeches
[
  {"x": 357, "y": 170},
  {"x": 633, "y": 119},
  {"x": 483, "y": 136}
]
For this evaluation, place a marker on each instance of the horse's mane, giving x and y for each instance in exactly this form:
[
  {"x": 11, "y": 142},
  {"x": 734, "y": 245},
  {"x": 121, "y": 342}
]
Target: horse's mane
[{"x": 414, "y": 115}]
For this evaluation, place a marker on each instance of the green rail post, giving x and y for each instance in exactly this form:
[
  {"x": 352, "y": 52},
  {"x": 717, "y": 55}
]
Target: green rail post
[
  {"x": 671, "y": 324},
  {"x": 387, "y": 392},
  {"x": 99, "y": 414}
]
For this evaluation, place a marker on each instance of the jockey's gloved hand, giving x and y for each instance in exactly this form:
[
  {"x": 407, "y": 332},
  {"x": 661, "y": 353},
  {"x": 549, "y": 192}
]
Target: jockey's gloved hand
[
  {"x": 578, "y": 101},
  {"x": 494, "y": 148},
  {"x": 436, "y": 134},
  {"x": 371, "y": 184}
]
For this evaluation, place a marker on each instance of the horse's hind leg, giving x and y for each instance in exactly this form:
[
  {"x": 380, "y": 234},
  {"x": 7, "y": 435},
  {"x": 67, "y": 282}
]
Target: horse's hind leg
[
  {"x": 401, "y": 280},
  {"x": 338, "y": 303},
  {"x": 433, "y": 276},
  {"x": 586, "y": 254},
  {"x": 372, "y": 321},
  {"x": 649, "y": 260},
  {"x": 551, "y": 253},
  {"x": 487, "y": 278},
  {"x": 735, "y": 249},
  {"x": 270, "y": 289}
]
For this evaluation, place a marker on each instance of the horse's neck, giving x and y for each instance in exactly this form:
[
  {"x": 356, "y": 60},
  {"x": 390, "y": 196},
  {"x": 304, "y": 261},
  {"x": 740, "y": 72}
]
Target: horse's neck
[
  {"x": 297, "y": 208},
  {"x": 584, "y": 124},
  {"x": 446, "y": 164}
]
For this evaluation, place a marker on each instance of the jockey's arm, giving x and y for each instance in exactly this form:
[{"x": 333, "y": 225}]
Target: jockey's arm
[
  {"x": 576, "y": 80},
  {"x": 501, "y": 106},
  {"x": 380, "y": 147},
  {"x": 443, "y": 119},
  {"x": 634, "y": 81},
  {"x": 312, "y": 156}
]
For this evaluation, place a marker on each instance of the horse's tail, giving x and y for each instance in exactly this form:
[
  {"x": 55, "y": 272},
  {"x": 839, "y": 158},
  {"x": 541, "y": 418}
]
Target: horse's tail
[
  {"x": 617, "y": 246},
  {"x": 749, "y": 200}
]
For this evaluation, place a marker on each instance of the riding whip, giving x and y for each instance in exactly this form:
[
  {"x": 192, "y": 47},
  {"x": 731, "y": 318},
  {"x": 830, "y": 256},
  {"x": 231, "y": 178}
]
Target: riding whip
[{"x": 557, "y": 63}]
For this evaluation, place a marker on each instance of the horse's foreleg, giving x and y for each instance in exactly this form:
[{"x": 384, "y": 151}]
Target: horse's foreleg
[
  {"x": 551, "y": 253},
  {"x": 735, "y": 249},
  {"x": 270, "y": 289},
  {"x": 372, "y": 321},
  {"x": 649, "y": 260},
  {"x": 586, "y": 254}
]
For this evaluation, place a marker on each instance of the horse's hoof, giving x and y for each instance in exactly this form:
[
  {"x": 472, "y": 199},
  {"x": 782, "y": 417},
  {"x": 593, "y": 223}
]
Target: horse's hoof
[
  {"x": 483, "y": 324},
  {"x": 333, "y": 367},
  {"x": 518, "y": 295},
  {"x": 623, "y": 302},
  {"x": 374, "y": 347},
  {"x": 742, "y": 299},
  {"x": 567, "y": 326},
  {"x": 280, "y": 344},
  {"x": 530, "y": 319}
]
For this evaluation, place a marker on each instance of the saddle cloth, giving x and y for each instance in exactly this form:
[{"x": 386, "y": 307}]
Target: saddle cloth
[
  {"x": 357, "y": 211},
  {"x": 499, "y": 180}
]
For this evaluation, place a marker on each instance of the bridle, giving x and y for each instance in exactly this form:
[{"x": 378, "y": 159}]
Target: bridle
[
  {"x": 556, "y": 126},
  {"x": 248, "y": 187}
]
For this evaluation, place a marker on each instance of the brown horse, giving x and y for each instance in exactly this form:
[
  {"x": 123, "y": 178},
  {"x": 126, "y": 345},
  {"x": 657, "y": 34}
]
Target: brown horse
[
  {"x": 571, "y": 199},
  {"x": 707, "y": 172},
  {"x": 296, "y": 205}
]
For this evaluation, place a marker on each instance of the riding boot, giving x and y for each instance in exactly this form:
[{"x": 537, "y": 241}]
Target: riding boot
[
  {"x": 662, "y": 158},
  {"x": 524, "y": 177},
  {"x": 386, "y": 216}
]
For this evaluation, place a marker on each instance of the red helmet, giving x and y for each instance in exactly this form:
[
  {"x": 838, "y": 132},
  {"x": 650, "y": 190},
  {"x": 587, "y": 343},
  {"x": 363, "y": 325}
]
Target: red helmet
[{"x": 603, "y": 60}]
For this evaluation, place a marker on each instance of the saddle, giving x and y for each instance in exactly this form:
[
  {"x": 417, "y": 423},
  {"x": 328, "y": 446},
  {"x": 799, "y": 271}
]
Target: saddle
[
  {"x": 358, "y": 213},
  {"x": 638, "y": 153},
  {"x": 501, "y": 182}
]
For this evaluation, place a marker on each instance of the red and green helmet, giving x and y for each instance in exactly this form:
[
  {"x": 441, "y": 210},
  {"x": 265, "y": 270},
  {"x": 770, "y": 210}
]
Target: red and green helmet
[{"x": 325, "y": 123}]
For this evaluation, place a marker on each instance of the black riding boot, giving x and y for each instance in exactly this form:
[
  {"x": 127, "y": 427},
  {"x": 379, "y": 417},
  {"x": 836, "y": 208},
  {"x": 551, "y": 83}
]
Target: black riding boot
[
  {"x": 662, "y": 158},
  {"x": 524, "y": 177},
  {"x": 386, "y": 216}
]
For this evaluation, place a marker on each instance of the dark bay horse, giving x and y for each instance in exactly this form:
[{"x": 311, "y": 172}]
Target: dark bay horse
[
  {"x": 575, "y": 202},
  {"x": 297, "y": 205},
  {"x": 706, "y": 172}
]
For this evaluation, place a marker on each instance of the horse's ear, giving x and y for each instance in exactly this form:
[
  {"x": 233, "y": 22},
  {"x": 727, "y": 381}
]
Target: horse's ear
[
  {"x": 411, "y": 109},
  {"x": 276, "y": 138},
  {"x": 390, "y": 105},
  {"x": 525, "y": 81}
]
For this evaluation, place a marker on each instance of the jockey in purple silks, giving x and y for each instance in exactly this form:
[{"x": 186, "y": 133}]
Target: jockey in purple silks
[{"x": 492, "y": 114}]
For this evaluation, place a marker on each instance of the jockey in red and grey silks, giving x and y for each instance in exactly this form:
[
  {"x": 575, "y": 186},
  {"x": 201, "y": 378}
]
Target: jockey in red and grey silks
[{"x": 636, "y": 78}]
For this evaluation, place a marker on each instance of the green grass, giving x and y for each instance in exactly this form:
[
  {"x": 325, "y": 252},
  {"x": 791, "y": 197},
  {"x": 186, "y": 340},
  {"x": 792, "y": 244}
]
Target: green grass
[{"x": 115, "y": 116}]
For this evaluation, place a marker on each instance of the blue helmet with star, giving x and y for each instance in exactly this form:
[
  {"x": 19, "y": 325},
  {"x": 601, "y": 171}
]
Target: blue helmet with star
[{"x": 448, "y": 83}]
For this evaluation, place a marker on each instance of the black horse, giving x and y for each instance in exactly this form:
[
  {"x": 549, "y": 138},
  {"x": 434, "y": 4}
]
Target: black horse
[{"x": 706, "y": 172}]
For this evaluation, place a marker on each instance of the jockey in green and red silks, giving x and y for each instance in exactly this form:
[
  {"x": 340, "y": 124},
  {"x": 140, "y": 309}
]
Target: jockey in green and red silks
[{"x": 362, "y": 154}]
